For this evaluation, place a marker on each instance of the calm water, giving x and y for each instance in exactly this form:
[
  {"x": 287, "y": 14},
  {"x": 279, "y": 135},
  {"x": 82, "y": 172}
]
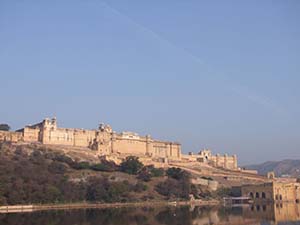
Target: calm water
[{"x": 264, "y": 215}]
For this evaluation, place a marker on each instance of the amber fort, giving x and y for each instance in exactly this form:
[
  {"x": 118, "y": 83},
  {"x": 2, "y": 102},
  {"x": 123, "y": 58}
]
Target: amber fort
[{"x": 106, "y": 142}]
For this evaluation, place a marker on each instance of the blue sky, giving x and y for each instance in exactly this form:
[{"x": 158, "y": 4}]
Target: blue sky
[{"x": 210, "y": 74}]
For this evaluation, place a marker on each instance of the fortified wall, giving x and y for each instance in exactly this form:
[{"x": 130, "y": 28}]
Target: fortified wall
[
  {"x": 206, "y": 156},
  {"x": 10, "y": 136},
  {"x": 104, "y": 140},
  {"x": 111, "y": 144}
]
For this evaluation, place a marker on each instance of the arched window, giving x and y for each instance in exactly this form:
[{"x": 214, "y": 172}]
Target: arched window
[
  {"x": 251, "y": 195},
  {"x": 257, "y": 208},
  {"x": 280, "y": 197},
  {"x": 263, "y": 195},
  {"x": 257, "y": 195}
]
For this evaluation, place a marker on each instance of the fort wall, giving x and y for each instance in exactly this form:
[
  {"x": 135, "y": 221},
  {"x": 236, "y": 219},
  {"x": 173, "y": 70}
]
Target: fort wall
[
  {"x": 205, "y": 156},
  {"x": 106, "y": 142},
  {"x": 11, "y": 136}
]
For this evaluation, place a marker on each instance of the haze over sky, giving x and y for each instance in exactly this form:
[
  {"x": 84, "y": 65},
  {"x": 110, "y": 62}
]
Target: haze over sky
[{"x": 210, "y": 74}]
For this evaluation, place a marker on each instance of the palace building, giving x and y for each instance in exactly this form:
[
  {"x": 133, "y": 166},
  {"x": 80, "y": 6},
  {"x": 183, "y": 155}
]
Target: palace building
[{"x": 106, "y": 142}]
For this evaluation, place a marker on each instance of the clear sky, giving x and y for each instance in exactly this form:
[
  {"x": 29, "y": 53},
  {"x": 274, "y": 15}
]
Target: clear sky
[{"x": 220, "y": 74}]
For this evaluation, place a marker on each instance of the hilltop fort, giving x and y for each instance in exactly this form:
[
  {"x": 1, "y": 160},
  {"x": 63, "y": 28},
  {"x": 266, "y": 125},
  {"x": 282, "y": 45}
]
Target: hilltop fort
[
  {"x": 116, "y": 146},
  {"x": 208, "y": 170}
]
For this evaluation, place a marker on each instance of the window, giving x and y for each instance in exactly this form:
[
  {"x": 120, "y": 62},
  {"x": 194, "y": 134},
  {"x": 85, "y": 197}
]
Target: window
[
  {"x": 257, "y": 195},
  {"x": 251, "y": 195},
  {"x": 263, "y": 195}
]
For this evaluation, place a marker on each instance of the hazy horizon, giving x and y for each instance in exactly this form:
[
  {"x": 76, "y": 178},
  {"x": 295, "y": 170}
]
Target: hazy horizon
[{"x": 222, "y": 76}]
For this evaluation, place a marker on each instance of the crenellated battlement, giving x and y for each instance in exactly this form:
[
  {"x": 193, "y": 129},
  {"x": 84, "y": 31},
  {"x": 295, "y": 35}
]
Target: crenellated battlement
[{"x": 205, "y": 156}]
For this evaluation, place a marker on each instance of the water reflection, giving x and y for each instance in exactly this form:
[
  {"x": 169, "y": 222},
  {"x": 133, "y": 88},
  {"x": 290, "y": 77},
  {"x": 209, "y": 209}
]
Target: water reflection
[{"x": 254, "y": 215}]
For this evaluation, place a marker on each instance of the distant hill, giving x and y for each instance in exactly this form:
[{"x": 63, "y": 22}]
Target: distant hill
[{"x": 281, "y": 168}]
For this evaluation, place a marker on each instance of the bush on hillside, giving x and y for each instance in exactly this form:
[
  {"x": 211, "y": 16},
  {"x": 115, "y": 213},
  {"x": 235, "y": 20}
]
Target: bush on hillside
[
  {"x": 176, "y": 173},
  {"x": 101, "y": 190},
  {"x": 155, "y": 172},
  {"x": 144, "y": 174},
  {"x": 105, "y": 165},
  {"x": 147, "y": 172},
  {"x": 178, "y": 184},
  {"x": 80, "y": 165},
  {"x": 131, "y": 165}
]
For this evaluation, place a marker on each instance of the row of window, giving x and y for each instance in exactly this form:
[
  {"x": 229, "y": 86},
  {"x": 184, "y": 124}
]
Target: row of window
[
  {"x": 263, "y": 195},
  {"x": 258, "y": 208},
  {"x": 258, "y": 195}
]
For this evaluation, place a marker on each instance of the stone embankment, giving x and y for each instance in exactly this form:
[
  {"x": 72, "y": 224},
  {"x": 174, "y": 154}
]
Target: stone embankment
[
  {"x": 32, "y": 208},
  {"x": 217, "y": 172}
]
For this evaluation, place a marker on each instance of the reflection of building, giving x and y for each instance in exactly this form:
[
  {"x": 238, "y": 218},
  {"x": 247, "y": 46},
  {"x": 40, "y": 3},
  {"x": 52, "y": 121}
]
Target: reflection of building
[
  {"x": 273, "y": 212},
  {"x": 205, "y": 156},
  {"x": 272, "y": 192},
  {"x": 252, "y": 214}
]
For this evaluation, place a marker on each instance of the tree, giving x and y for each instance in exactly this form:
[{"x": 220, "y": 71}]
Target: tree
[
  {"x": 175, "y": 173},
  {"x": 104, "y": 165},
  {"x": 131, "y": 165},
  {"x": 4, "y": 127},
  {"x": 177, "y": 185},
  {"x": 144, "y": 174},
  {"x": 147, "y": 172}
]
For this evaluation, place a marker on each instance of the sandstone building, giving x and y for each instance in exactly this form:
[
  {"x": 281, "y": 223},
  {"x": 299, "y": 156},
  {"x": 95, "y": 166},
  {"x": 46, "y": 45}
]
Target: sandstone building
[
  {"x": 104, "y": 140},
  {"x": 206, "y": 156},
  {"x": 274, "y": 191},
  {"x": 107, "y": 142}
]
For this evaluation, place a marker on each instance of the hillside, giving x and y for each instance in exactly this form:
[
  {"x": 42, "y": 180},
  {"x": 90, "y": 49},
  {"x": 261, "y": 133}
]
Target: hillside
[
  {"x": 281, "y": 168},
  {"x": 33, "y": 173}
]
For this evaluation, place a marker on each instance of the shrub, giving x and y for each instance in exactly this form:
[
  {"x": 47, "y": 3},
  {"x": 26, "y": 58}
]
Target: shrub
[
  {"x": 101, "y": 190},
  {"x": 144, "y": 174},
  {"x": 131, "y": 165},
  {"x": 177, "y": 185},
  {"x": 167, "y": 188},
  {"x": 174, "y": 188},
  {"x": 140, "y": 187},
  {"x": 63, "y": 158},
  {"x": 104, "y": 165},
  {"x": 57, "y": 167},
  {"x": 175, "y": 173},
  {"x": 80, "y": 165},
  {"x": 157, "y": 172}
]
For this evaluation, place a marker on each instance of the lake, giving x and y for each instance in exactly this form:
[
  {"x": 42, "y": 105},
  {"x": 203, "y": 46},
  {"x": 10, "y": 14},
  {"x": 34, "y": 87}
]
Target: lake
[{"x": 281, "y": 214}]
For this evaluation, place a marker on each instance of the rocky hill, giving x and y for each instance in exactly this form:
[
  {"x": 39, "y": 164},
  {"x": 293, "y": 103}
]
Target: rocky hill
[
  {"x": 34, "y": 173},
  {"x": 286, "y": 167}
]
